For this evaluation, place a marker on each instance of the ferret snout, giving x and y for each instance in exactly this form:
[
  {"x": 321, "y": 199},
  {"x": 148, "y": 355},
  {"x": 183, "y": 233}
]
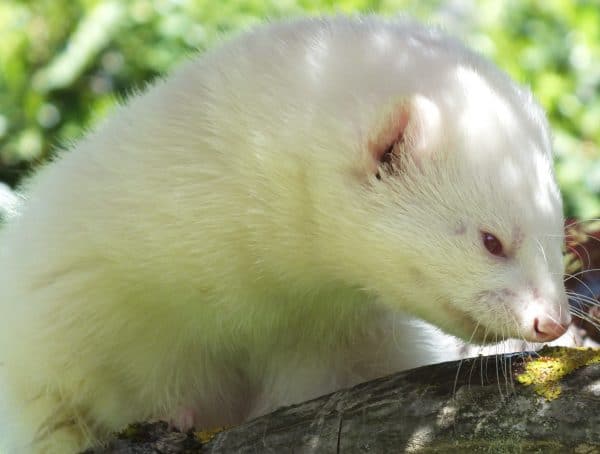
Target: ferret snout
[
  {"x": 546, "y": 328},
  {"x": 545, "y": 318}
]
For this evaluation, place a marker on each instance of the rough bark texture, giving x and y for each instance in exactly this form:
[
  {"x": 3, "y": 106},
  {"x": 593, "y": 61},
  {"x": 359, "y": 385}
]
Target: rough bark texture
[{"x": 476, "y": 406}]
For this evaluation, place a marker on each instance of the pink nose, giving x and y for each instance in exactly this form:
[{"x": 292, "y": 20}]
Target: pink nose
[{"x": 547, "y": 329}]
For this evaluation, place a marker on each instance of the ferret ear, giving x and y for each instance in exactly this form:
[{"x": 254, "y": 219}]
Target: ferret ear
[{"x": 408, "y": 130}]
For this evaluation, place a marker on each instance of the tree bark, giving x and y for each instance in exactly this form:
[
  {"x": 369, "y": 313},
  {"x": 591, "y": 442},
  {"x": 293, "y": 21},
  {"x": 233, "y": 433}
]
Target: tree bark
[{"x": 477, "y": 405}]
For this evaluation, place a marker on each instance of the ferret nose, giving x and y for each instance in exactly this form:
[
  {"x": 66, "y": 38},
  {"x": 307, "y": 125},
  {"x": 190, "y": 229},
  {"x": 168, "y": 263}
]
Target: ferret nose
[{"x": 547, "y": 329}]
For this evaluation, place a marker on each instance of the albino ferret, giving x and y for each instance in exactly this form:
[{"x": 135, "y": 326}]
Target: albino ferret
[{"x": 260, "y": 228}]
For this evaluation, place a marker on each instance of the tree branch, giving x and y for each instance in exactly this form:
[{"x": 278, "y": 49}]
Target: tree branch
[{"x": 477, "y": 405}]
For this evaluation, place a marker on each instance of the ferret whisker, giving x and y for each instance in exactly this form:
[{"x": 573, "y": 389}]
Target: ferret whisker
[
  {"x": 585, "y": 308},
  {"x": 498, "y": 340},
  {"x": 497, "y": 344},
  {"x": 574, "y": 339},
  {"x": 470, "y": 340},
  {"x": 589, "y": 319},
  {"x": 470, "y": 376},
  {"x": 508, "y": 382},
  {"x": 582, "y": 302},
  {"x": 586, "y": 317},
  {"x": 456, "y": 376},
  {"x": 542, "y": 250},
  {"x": 526, "y": 344},
  {"x": 498, "y": 381},
  {"x": 583, "y": 221},
  {"x": 482, "y": 366},
  {"x": 580, "y": 273},
  {"x": 485, "y": 359},
  {"x": 587, "y": 299},
  {"x": 577, "y": 252},
  {"x": 554, "y": 319},
  {"x": 506, "y": 368},
  {"x": 578, "y": 312},
  {"x": 590, "y": 239}
]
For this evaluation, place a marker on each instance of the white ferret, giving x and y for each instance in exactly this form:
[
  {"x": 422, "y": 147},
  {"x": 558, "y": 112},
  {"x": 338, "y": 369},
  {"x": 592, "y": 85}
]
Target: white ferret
[{"x": 257, "y": 229}]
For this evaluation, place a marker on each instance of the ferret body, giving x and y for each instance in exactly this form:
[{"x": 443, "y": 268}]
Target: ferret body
[{"x": 260, "y": 228}]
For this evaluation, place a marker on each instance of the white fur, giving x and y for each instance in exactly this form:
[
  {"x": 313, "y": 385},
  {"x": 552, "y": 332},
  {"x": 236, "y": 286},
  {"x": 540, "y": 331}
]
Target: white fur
[
  {"x": 220, "y": 246},
  {"x": 8, "y": 202}
]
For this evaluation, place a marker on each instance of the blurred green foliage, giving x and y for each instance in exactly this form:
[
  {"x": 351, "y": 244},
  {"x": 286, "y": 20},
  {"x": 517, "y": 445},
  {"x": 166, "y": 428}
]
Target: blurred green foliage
[{"x": 64, "y": 63}]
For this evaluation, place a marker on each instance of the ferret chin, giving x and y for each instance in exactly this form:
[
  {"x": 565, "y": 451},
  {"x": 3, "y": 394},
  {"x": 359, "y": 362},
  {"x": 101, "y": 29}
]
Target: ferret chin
[{"x": 262, "y": 226}]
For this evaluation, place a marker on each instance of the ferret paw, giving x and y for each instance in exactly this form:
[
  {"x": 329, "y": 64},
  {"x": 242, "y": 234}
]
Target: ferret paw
[
  {"x": 42, "y": 426},
  {"x": 184, "y": 419}
]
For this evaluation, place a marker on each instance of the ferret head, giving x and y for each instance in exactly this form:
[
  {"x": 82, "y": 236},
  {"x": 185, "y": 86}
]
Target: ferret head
[
  {"x": 465, "y": 223},
  {"x": 426, "y": 177}
]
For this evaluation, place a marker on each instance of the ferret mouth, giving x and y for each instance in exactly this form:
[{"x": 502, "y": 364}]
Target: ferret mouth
[{"x": 463, "y": 325}]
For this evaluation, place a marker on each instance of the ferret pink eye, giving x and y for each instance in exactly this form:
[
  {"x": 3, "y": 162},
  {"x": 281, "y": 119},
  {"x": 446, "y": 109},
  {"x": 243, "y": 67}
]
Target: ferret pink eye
[{"x": 492, "y": 244}]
